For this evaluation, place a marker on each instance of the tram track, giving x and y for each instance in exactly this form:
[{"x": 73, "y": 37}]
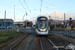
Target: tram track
[
  {"x": 17, "y": 43},
  {"x": 12, "y": 43},
  {"x": 41, "y": 44},
  {"x": 26, "y": 44},
  {"x": 47, "y": 44},
  {"x": 11, "y": 40},
  {"x": 30, "y": 41},
  {"x": 52, "y": 44}
]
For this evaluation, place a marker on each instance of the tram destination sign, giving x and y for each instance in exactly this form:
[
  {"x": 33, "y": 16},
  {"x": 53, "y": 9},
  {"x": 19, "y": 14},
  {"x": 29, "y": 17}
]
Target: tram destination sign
[{"x": 43, "y": 18}]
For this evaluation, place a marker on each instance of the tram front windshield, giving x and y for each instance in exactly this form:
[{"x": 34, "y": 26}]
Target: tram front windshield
[{"x": 42, "y": 24}]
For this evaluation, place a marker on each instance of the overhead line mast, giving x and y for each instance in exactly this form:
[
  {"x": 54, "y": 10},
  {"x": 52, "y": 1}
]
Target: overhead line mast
[{"x": 41, "y": 7}]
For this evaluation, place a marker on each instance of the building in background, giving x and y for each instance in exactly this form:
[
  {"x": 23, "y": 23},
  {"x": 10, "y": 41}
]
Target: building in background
[
  {"x": 28, "y": 24},
  {"x": 60, "y": 23},
  {"x": 72, "y": 23},
  {"x": 24, "y": 24},
  {"x": 19, "y": 24},
  {"x": 6, "y": 23}
]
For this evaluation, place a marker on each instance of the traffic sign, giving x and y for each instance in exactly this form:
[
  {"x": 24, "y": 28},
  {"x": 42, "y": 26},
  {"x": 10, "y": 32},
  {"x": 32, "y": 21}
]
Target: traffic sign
[{"x": 68, "y": 28}]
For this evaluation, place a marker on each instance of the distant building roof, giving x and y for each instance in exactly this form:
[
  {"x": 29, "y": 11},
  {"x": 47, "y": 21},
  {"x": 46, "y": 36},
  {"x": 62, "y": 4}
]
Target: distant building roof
[
  {"x": 69, "y": 21},
  {"x": 6, "y": 20},
  {"x": 18, "y": 22}
]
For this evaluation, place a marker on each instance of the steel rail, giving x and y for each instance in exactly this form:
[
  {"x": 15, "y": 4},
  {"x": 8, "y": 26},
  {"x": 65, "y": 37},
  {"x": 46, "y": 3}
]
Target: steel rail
[
  {"x": 11, "y": 40},
  {"x": 41, "y": 44},
  {"x": 53, "y": 44},
  {"x": 18, "y": 42}
]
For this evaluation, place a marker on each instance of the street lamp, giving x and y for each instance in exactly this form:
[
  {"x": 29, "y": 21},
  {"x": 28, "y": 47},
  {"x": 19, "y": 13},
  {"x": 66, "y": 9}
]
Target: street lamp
[
  {"x": 49, "y": 17},
  {"x": 49, "y": 22},
  {"x": 26, "y": 21},
  {"x": 64, "y": 21}
]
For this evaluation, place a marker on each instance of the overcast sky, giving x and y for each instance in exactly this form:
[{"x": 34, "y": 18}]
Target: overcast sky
[{"x": 49, "y": 7}]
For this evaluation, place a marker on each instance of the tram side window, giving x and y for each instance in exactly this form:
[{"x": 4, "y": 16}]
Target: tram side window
[{"x": 36, "y": 25}]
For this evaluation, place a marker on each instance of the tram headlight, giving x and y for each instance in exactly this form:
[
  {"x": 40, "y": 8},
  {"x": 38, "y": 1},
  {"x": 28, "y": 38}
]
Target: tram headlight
[{"x": 46, "y": 30}]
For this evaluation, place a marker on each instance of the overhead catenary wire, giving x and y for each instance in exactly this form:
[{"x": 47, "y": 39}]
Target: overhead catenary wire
[
  {"x": 24, "y": 8},
  {"x": 27, "y": 6},
  {"x": 21, "y": 4}
]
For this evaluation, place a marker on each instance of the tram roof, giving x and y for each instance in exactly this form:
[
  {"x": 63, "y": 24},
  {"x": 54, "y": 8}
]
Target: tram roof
[{"x": 41, "y": 16}]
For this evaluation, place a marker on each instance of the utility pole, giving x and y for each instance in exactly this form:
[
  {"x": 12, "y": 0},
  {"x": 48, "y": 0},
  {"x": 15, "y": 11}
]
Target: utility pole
[
  {"x": 49, "y": 22},
  {"x": 49, "y": 17},
  {"x": 5, "y": 15},
  {"x": 26, "y": 19},
  {"x": 5, "y": 19},
  {"x": 41, "y": 7},
  {"x": 70, "y": 23},
  {"x": 14, "y": 13},
  {"x": 14, "y": 19},
  {"x": 55, "y": 19},
  {"x": 64, "y": 21}
]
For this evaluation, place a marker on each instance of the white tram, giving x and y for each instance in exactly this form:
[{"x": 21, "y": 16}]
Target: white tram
[{"x": 42, "y": 25}]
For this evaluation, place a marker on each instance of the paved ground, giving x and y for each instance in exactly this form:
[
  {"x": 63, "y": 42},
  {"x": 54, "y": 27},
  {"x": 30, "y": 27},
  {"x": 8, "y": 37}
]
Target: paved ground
[
  {"x": 63, "y": 32},
  {"x": 66, "y": 38}
]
